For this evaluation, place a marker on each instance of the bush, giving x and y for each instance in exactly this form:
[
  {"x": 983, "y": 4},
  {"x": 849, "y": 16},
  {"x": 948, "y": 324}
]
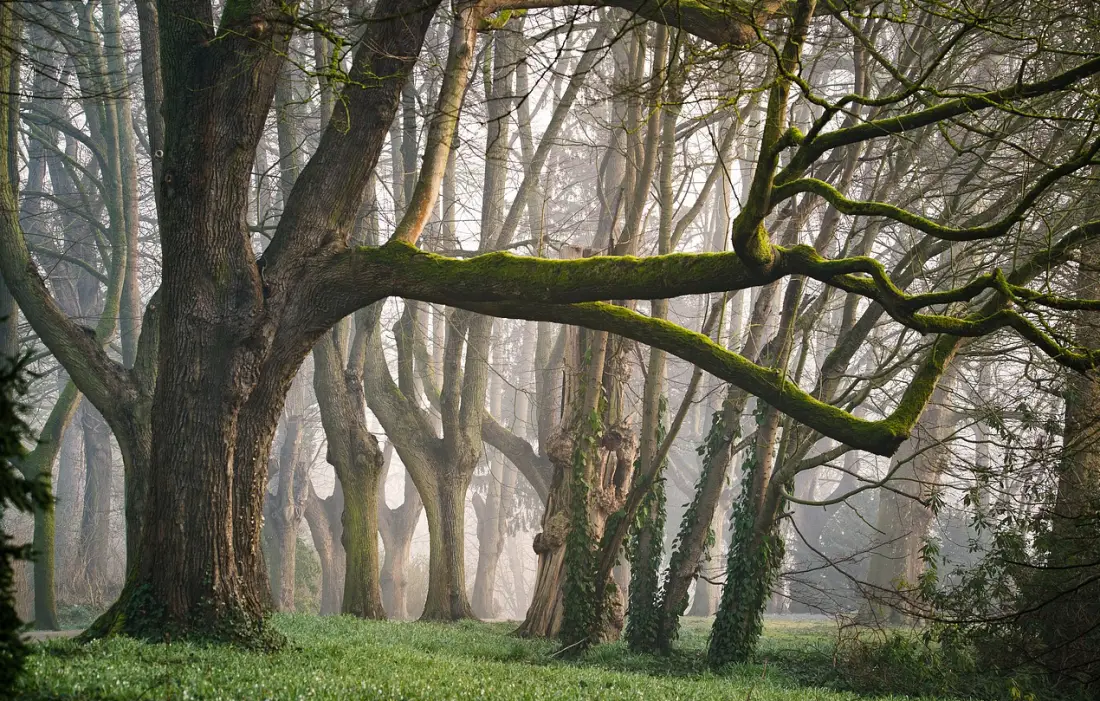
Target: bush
[{"x": 934, "y": 663}]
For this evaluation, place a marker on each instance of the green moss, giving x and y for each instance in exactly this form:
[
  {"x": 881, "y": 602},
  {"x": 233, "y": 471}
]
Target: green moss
[{"x": 417, "y": 274}]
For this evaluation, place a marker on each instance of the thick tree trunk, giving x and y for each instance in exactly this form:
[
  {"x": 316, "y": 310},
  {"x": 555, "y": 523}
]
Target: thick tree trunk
[
  {"x": 9, "y": 324},
  {"x": 608, "y": 468},
  {"x": 232, "y": 332},
  {"x": 445, "y": 507},
  {"x": 395, "y": 570},
  {"x": 544, "y": 615},
  {"x": 1070, "y": 624},
  {"x": 362, "y": 586}
]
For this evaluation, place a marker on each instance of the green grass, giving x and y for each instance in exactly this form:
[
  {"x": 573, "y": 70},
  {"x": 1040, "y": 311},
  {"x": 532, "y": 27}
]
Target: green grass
[{"x": 346, "y": 658}]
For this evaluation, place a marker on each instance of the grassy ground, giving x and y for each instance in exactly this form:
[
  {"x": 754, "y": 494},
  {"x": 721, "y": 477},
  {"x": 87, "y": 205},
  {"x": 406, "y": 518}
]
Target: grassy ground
[{"x": 345, "y": 658}]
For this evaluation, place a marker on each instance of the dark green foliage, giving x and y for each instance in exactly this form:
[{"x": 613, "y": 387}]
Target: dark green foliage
[
  {"x": 755, "y": 556},
  {"x": 581, "y": 555},
  {"x": 645, "y": 549},
  {"x": 874, "y": 662},
  {"x": 1033, "y": 601},
  {"x": 23, "y": 495}
]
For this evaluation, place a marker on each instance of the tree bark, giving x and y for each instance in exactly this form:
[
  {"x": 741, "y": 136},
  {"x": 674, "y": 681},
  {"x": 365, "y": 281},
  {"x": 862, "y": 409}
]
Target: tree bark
[
  {"x": 323, "y": 517},
  {"x": 445, "y": 506},
  {"x": 94, "y": 546},
  {"x": 355, "y": 455},
  {"x": 397, "y": 529}
]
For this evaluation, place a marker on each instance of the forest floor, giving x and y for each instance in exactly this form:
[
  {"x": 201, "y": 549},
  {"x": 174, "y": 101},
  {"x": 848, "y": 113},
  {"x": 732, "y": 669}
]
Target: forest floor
[{"x": 347, "y": 658}]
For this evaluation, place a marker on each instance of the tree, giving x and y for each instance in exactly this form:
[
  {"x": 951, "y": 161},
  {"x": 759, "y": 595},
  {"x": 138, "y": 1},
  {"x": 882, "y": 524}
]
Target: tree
[{"x": 227, "y": 330}]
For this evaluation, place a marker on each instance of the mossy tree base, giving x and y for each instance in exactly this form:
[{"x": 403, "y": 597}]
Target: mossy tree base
[{"x": 138, "y": 614}]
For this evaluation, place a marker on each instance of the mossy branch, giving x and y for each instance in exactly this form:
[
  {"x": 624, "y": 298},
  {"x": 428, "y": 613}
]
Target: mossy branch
[{"x": 880, "y": 437}]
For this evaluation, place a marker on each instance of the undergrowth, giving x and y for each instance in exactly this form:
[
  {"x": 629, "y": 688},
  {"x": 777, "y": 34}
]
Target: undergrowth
[{"x": 347, "y": 658}]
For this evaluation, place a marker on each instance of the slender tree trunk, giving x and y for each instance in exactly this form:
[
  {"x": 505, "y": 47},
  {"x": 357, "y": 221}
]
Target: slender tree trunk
[
  {"x": 323, "y": 517},
  {"x": 492, "y": 519},
  {"x": 705, "y": 601},
  {"x": 283, "y": 521},
  {"x": 397, "y": 529},
  {"x": 492, "y": 512},
  {"x": 725, "y": 429},
  {"x": 94, "y": 549}
]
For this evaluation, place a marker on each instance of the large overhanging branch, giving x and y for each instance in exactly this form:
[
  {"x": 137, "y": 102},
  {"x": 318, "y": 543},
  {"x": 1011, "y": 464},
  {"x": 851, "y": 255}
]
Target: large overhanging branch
[{"x": 360, "y": 276}]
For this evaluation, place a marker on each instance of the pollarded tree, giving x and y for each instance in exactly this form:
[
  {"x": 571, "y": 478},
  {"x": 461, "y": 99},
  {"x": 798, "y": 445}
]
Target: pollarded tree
[{"x": 227, "y": 331}]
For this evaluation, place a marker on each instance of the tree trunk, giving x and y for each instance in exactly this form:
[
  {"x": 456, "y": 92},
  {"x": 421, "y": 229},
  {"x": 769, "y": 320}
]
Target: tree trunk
[
  {"x": 362, "y": 586},
  {"x": 323, "y": 516},
  {"x": 354, "y": 453},
  {"x": 1071, "y": 621},
  {"x": 95, "y": 524},
  {"x": 397, "y": 529},
  {"x": 544, "y": 615},
  {"x": 608, "y": 468},
  {"x": 492, "y": 511},
  {"x": 725, "y": 428},
  {"x": 445, "y": 507},
  {"x": 705, "y": 601},
  {"x": 492, "y": 518},
  {"x": 286, "y": 506},
  {"x": 904, "y": 515}
]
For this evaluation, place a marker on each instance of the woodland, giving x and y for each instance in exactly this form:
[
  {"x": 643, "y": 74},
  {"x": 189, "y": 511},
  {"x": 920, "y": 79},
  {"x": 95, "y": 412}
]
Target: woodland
[{"x": 550, "y": 349}]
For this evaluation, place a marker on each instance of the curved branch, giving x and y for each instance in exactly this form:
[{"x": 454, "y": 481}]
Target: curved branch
[
  {"x": 811, "y": 149},
  {"x": 880, "y": 437},
  {"x": 881, "y": 209}
]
